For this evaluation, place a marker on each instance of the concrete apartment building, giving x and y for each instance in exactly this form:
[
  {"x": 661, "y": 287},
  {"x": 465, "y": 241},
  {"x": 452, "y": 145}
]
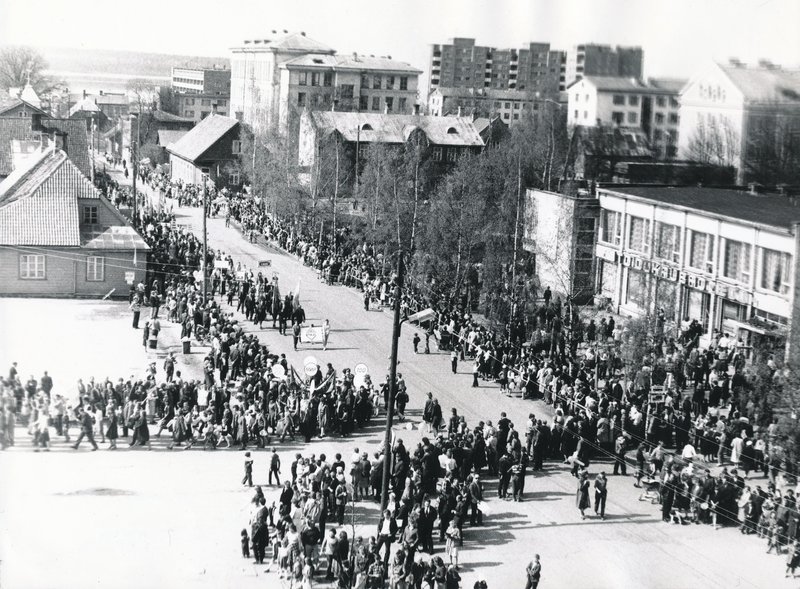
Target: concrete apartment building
[
  {"x": 590, "y": 59},
  {"x": 201, "y": 91},
  {"x": 488, "y": 81},
  {"x": 652, "y": 106},
  {"x": 273, "y": 79},
  {"x": 743, "y": 116}
]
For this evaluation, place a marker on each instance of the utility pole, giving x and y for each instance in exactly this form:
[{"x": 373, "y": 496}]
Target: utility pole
[
  {"x": 205, "y": 240},
  {"x": 387, "y": 437},
  {"x": 134, "y": 151}
]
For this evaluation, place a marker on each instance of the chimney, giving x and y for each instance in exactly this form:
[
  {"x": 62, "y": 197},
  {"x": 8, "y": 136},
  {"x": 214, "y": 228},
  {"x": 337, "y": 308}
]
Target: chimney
[
  {"x": 84, "y": 93},
  {"x": 285, "y": 32},
  {"x": 459, "y": 111},
  {"x": 303, "y": 33},
  {"x": 735, "y": 62},
  {"x": 101, "y": 92},
  {"x": 60, "y": 140}
]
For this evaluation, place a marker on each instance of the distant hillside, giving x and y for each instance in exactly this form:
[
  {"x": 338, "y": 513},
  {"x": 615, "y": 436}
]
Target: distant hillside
[{"x": 122, "y": 62}]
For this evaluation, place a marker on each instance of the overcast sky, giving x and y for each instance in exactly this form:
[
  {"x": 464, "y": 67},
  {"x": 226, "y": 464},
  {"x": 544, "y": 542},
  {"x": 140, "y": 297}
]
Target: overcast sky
[{"x": 675, "y": 34}]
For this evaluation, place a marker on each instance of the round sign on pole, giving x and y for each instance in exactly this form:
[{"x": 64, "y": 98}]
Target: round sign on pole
[
  {"x": 361, "y": 369},
  {"x": 310, "y": 360},
  {"x": 310, "y": 369},
  {"x": 278, "y": 371},
  {"x": 359, "y": 374}
]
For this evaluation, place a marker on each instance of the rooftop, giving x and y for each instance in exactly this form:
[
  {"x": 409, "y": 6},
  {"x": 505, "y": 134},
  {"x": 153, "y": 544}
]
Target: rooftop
[
  {"x": 390, "y": 128},
  {"x": 21, "y": 129},
  {"x": 167, "y": 137},
  {"x": 351, "y": 62},
  {"x": 762, "y": 209},
  {"x": 285, "y": 41},
  {"x": 765, "y": 84},
  {"x": 202, "y": 137},
  {"x": 620, "y": 84}
]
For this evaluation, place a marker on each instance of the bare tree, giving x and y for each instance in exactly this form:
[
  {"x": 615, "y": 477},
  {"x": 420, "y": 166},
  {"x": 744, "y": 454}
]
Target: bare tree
[
  {"x": 18, "y": 65},
  {"x": 715, "y": 141}
]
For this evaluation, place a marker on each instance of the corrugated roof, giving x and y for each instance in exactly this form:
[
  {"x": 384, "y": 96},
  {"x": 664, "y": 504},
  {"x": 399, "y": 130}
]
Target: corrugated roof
[
  {"x": 167, "y": 137},
  {"x": 388, "y": 128},
  {"x": 349, "y": 62},
  {"x": 772, "y": 85},
  {"x": 200, "y": 139},
  {"x": 20, "y": 129},
  {"x": 772, "y": 210}
]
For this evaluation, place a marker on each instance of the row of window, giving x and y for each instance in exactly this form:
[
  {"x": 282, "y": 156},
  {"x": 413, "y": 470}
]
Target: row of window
[
  {"x": 618, "y": 118},
  {"x": 633, "y": 100},
  {"x": 377, "y": 103},
  {"x": 665, "y": 242},
  {"x": 386, "y": 82},
  {"x": 190, "y": 81},
  {"x": 34, "y": 267},
  {"x": 205, "y": 101}
]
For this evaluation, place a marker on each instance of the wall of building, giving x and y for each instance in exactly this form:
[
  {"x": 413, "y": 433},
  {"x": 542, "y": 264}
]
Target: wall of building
[
  {"x": 66, "y": 272},
  {"x": 706, "y": 294}
]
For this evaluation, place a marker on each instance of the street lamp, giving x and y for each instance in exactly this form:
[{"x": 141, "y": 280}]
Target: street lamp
[{"x": 134, "y": 166}]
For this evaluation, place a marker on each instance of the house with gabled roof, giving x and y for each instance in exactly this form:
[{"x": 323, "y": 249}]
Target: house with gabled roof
[
  {"x": 210, "y": 149},
  {"x": 60, "y": 237},
  {"x": 746, "y": 116}
]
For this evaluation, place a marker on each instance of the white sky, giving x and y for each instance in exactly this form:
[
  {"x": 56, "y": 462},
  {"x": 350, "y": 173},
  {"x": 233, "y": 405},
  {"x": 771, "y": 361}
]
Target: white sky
[{"x": 676, "y": 34}]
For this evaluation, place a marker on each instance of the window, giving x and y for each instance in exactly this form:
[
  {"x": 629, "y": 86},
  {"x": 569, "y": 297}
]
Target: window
[
  {"x": 346, "y": 91},
  {"x": 95, "y": 269},
  {"x": 303, "y": 81},
  {"x": 390, "y": 82},
  {"x": 638, "y": 285},
  {"x": 610, "y": 227},
  {"x": 376, "y": 81},
  {"x": 326, "y": 98},
  {"x": 673, "y": 118},
  {"x": 617, "y": 117},
  {"x": 364, "y": 81},
  {"x": 661, "y": 101},
  {"x": 234, "y": 178},
  {"x": 301, "y": 99},
  {"x": 576, "y": 113},
  {"x": 236, "y": 148},
  {"x": 189, "y": 114},
  {"x": 389, "y": 102},
  {"x": 668, "y": 242},
  {"x": 403, "y": 82},
  {"x": 437, "y": 154},
  {"x": 401, "y": 104},
  {"x": 701, "y": 253},
  {"x": 314, "y": 79},
  {"x": 363, "y": 102},
  {"x": 376, "y": 103},
  {"x": 639, "y": 235},
  {"x": 327, "y": 79},
  {"x": 32, "y": 267},
  {"x": 659, "y": 118},
  {"x": 618, "y": 99},
  {"x": 90, "y": 215},
  {"x": 736, "y": 264},
  {"x": 205, "y": 102},
  {"x": 633, "y": 117},
  {"x": 505, "y": 116},
  {"x": 673, "y": 102},
  {"x": 577, "y": 98},
  {"x": 452, "y": 154},
  {"x": 633, "y": 100},
  {"x": 586, "y": 114},
  {"x": 775, "y": 270}
]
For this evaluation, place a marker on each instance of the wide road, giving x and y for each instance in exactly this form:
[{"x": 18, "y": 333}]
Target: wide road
[{"x": 632, "y": 548}]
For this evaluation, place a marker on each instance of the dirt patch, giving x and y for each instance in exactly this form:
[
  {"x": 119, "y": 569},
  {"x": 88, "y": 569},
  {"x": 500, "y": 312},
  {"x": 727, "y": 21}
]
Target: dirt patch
[{"x": 97, "y": 492}]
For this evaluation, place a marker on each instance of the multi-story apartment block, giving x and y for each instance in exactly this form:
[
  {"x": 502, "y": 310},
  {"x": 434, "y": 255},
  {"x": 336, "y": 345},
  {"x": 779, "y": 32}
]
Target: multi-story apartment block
[
  {"x": 464, "y": 65},
  {"x": 201, "y": 91},
  {"x": 652, "y": 106},
  {"x": 510, "y": 105},
  {"x": 274, "y": 79},
  {"x": 726, "y": 258},
  {"x": 603, "y": 60},
  {"x": 346, "y": 83},
  {"x": 746, "y": 117}
]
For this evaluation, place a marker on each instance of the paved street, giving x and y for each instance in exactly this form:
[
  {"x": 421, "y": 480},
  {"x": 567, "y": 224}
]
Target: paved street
[{"x": 177, "y": 515}]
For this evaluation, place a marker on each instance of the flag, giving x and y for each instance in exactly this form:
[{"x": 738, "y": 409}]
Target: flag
[{"x": 296, "y": 300}]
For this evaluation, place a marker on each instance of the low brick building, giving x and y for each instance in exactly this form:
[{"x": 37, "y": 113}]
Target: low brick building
[{"x": 60, "y": 237}]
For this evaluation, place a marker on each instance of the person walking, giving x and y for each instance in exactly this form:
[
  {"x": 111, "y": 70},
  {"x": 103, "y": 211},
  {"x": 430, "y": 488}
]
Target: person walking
[
  {"x": 87, "y": 429},
  {"x": 620, "y": 445},
  {"x": 136, "y": 307},
  {"x": 534, "y": 572},
  {"x": 295, "y": 334},
  {"x": 326, "y": 333},
  {"x": 275, "y": 467},
  {"x": 600, "y": 494},
  {"x": 248, "y": 470},
  {"x": 583, "y": 493},
  {"x": 454, "y": 361}
]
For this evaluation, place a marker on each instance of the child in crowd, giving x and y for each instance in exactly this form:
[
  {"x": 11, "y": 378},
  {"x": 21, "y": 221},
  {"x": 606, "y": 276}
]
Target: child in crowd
[{"x": 245, "y": 544}]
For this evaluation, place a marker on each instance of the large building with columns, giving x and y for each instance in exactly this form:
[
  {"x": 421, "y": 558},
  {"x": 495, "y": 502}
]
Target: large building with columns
[{"x": 725, "y": 257}]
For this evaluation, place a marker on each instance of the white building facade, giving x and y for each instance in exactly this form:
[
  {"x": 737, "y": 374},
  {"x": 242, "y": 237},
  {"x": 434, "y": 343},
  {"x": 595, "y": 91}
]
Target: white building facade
[{"x": 724, "y": 257}]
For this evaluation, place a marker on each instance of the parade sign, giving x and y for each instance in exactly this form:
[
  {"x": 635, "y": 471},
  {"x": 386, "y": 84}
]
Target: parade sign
[
  {"x": 311, "y": 335},
  {"x": 359, "y": 374},
  {"x": 129, "y": 277},
  {"x": 310, "y": 370},
  {"x": 278, "y": 371}
]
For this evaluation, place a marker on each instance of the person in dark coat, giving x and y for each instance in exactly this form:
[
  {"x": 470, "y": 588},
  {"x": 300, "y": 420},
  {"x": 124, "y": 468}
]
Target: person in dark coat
[
  {"x": 112, "y": 431},
  {"x": 582, "y": 496},
  {"x": 87, "y": 429}
]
